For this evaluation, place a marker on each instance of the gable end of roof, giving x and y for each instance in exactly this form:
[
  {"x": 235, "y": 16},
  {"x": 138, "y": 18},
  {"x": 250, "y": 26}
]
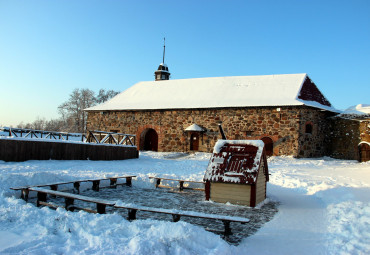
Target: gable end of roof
[{"x": 309, "y": 92}]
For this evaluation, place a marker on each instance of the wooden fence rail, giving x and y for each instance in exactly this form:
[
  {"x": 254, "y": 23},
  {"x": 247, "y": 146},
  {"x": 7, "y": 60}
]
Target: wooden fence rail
[
  {"x": 31, "y": 133},
  {"x": 110, "y": 138},
  {"x": 94, "y": 136}
]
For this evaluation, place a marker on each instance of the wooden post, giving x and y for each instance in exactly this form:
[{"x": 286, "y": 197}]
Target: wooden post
[
  {"x": 158, "y": 182},
  {"x": 76, "y": 186},
  {"x": 129, "y": 181},
  {"x": 95, "y": 185},
  {"x": 207, "y": 190},
  {"x": 113, "y": 182},
  {"x": 69, "y": 204},
  {"x": 181, "y": 185},
  {"x": 41, "y": 197},
  {"x": 132, "y": 214},
  {"x": 175, "y": 217},
  {"x": 54, "y": 187},
  {"x": 227, "y": 228},
  {"x": 253, "y": 195},
  {"x": 100, "y": 208},
  {"x": 24, "y": 194}
]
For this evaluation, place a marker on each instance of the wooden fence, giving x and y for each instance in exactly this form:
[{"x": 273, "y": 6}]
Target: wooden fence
[
  {"x": 33, "y": 133},
  {"x": 110, "y": 138},
  {"x": 22, "y": 150}
]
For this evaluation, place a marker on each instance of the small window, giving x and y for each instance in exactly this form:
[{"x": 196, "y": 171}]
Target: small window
[
  {"x": 249, "y": 133},
  {"x": 308, "y": 128}
]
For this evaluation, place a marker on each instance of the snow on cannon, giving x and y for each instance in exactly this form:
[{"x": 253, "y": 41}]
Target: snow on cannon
[{"x": 237, "y": 172}]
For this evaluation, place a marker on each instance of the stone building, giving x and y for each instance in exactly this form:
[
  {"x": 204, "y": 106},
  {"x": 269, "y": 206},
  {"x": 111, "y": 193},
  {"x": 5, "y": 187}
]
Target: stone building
[
  {"x": 287, "y": 112},
  {"x": 350, "y": 134}
]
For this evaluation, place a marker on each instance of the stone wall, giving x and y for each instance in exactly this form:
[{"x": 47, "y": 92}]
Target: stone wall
[
  {"x": 365, "y": 130},
  {"x": 283, "y": 125},
  {"x": 314, "y": 143},
  {"x": 345, "y": 136}
]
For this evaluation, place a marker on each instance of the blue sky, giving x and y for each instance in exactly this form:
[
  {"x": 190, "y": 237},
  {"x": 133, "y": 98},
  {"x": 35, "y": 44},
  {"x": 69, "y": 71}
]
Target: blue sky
[{"x": 49, "y": 48}]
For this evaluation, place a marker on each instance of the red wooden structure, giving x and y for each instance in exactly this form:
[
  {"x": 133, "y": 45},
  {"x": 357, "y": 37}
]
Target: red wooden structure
[{"x": 237, "y": 172}]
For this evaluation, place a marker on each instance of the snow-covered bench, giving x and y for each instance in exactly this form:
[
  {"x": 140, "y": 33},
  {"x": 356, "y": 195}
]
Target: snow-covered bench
[
  {"x": 181, "y": 183},
  {"x": 177, "y": 214},
  {"x": 69, "y": 200},
  {"x": 132, "y": 209},
  {"x": 76, "y": 184}
]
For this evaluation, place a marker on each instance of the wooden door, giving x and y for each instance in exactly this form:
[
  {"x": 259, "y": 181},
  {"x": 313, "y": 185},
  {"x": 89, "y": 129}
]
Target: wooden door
[
  {"x": 151, "y": 140},
  {"x": 364, "y": 152},
  {"x": 194, "y": 142}
]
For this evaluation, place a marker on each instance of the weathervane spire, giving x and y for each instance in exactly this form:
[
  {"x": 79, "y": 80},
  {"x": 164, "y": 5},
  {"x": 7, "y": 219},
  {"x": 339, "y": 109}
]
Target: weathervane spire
[
  {"x": 164, "y": 48},
  {"x": 162, "y": 72}
]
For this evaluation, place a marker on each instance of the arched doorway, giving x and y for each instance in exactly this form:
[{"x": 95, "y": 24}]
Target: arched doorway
[
  {"x": 269, "y": 145},
  {"x": 364, "y": 149},
  {"x": 194, "y": 142},
  {"x": 149, "y": 140}
]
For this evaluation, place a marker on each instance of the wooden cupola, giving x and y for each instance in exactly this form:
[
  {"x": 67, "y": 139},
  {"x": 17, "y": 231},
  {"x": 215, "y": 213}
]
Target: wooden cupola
[{"x": 162, "y": 72}]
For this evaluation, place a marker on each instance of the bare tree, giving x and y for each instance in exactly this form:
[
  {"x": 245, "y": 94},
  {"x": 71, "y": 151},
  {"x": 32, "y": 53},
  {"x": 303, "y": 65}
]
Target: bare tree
[
  {"x": 39, "y": 124},
  {"x": 105, "y": 95},
  {"x": 73, "y": 117},
  {"x": 57, "y": 125},
  {"x": 72, "y": 111}
]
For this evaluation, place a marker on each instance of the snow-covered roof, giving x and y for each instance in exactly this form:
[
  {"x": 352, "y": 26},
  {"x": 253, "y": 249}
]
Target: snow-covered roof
[
  {"x": 215, "y": 92},
  {"x": 236, "y": 161},
  {"x": 195, "y": 128},
  {"x": 360, "y": 109}
]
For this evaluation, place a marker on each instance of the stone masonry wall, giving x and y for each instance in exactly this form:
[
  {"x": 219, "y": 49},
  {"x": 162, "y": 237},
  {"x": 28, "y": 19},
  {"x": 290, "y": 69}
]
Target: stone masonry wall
[
  {"x": 346, "y": 134},
  {"x": 314, "y": 144},
  {"x": 283, "y": 125}
]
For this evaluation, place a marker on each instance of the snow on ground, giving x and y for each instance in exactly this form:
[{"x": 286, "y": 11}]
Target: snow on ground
[{"x": 324, "y": 209}]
